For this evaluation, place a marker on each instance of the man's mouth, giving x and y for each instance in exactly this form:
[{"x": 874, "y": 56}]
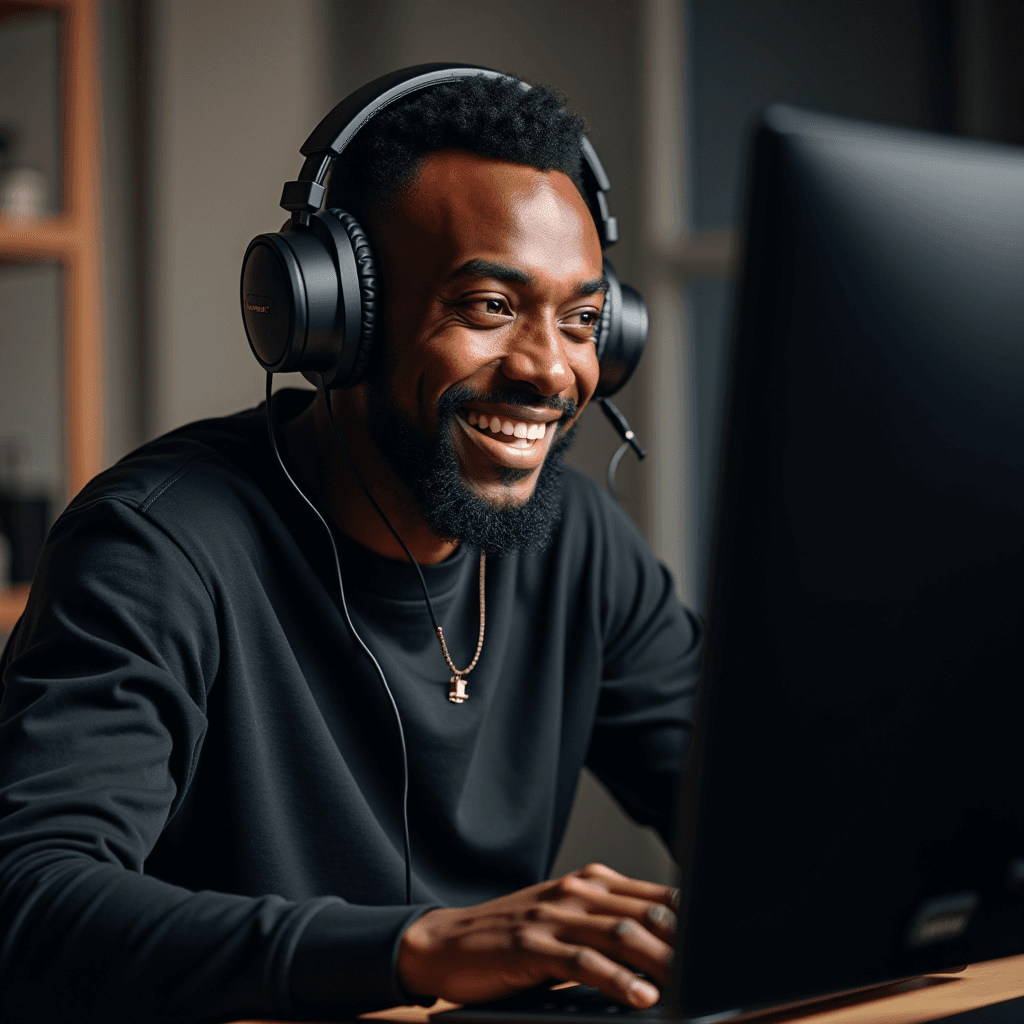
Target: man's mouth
[{"x": 515, "y": 433}]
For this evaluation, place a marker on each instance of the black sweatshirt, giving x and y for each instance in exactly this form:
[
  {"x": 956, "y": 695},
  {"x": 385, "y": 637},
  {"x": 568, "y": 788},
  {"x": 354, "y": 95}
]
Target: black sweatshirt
[{"x": 200, "y": 773}]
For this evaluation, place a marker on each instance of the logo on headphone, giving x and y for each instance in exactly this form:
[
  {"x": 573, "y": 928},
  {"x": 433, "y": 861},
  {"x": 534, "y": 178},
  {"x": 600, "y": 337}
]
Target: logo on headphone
[{"x": 258, "y": 304}]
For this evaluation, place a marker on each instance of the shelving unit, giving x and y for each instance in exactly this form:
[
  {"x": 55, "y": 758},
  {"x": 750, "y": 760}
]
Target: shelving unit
[{"x": 71, "y": 239}]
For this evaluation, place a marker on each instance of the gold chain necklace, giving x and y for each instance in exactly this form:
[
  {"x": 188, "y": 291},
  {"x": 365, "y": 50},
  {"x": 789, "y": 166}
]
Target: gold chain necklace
[{"x": 457, "y": 684}]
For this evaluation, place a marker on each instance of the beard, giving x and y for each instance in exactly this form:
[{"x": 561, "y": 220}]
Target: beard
[{"x": 429, "y": 467}]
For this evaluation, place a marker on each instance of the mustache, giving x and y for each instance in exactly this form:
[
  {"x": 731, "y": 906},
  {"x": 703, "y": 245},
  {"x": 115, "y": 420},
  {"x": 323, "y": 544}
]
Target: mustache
[{"x": 453, "y": 400}]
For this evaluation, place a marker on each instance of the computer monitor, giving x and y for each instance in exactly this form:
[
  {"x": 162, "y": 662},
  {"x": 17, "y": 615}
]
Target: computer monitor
[{"x": 852, "y": 810}]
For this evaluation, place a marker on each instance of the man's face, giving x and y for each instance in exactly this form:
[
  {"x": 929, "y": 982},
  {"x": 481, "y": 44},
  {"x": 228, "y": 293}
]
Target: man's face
[{"x": 493, "y": 289}]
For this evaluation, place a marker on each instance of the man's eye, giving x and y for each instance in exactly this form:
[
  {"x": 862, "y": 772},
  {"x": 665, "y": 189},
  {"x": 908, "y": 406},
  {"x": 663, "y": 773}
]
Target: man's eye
[
  {"x": 494, "y": 307},
  {"x": 586, "y": 318}
]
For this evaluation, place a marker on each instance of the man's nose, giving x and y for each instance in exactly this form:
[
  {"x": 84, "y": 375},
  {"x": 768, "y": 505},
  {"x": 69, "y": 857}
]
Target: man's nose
[{"x": 537, "y": 357}]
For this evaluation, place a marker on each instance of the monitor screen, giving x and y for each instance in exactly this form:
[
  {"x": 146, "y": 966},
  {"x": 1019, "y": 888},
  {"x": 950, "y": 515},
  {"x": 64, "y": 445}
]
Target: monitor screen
[{"x": 852, "y": 809}]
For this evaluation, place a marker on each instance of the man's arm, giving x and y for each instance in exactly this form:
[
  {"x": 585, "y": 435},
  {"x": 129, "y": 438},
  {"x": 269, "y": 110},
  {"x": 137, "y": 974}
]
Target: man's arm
[
  {"x": 101, "y": 726},
  {"x": 651, "y": 663}
]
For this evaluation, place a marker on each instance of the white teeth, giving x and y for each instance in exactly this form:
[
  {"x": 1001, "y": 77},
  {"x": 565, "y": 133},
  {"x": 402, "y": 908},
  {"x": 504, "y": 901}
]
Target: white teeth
[{"x": 522, "y": 433}]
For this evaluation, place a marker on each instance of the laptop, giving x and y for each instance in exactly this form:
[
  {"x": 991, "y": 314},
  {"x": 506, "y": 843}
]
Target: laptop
[{"x": 852, "y": 805}]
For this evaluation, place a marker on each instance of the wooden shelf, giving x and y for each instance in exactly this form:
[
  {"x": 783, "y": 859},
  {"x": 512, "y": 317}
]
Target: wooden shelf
[
  {"x": 49, "y": 238},
  {"x": 12, "y": 604},
  {"x": 73, "y": 240}
]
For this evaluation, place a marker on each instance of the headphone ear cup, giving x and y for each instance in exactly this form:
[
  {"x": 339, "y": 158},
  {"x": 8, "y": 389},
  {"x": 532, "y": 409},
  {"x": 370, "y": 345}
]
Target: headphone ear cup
[
  {"x": 622, "y": 333},
  {"x": 289, "y": 294},
  {"x": 366, "y": 270},
  {"x": 604, "y": 321}
]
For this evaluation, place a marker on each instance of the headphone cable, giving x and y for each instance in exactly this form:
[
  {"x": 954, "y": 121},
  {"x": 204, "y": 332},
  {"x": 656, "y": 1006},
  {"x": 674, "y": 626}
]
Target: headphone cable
[
  {"x": 377, "y": 508},
  {"x": 352, "y": 629}
]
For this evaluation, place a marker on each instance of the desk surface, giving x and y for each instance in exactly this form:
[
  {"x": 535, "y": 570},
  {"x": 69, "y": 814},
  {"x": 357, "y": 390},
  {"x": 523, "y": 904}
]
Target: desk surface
[
  {"x": 926, "y": 999},
  {"x": 916, "y": 1002}
]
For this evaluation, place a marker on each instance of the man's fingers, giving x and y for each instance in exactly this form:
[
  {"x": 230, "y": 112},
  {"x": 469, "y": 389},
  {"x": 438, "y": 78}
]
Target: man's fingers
[
  {"x": 612, "y": 881},
  {"x": 623, "y": 940},
  {"x": 620, "y": 938},
  {"x": 569, "y": 961},
  {"x": 663, "y": 920},
  {"x": 663, "y": 894},
  {"x": 592, "y": 899},
  {"x": 598, "y": 870}
]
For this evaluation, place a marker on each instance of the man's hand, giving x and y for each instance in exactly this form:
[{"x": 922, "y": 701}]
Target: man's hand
[{"x": 590, "y": 926}]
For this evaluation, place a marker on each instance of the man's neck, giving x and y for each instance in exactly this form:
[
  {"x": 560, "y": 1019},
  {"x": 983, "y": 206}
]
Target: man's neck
[{"x": 325, "y": 476}]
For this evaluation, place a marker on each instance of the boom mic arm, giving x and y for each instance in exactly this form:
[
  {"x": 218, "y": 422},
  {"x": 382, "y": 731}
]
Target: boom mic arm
[{"x": 622, "y": 428}]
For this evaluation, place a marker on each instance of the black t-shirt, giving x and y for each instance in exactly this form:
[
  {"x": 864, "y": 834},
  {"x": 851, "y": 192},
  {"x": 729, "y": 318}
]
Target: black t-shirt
[{"x": 200, "y": 772}]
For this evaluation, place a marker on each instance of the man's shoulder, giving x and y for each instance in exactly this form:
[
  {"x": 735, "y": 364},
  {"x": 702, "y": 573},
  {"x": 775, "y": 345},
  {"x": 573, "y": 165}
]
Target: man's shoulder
[{"x": 201, "y": 462}]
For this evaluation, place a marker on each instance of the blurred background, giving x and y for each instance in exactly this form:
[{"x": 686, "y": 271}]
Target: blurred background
[{"x": 142, "y": 144}]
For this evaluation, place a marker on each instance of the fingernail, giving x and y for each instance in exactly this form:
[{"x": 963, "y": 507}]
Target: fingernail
[
  {"x": 673, "y": 898},
  {"x": 643, "y": 994},
  {"x": 662, "y": 916}
]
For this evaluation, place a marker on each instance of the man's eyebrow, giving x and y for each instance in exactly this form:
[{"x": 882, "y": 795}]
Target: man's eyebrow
[
  {"x": 485, "y": 268},
  {"x": 597, "y": 285},
  {"x": 503, "y": 272}
]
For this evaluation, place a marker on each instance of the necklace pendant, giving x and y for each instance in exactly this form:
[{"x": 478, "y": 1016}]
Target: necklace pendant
[{"x": 457, "y": 692}]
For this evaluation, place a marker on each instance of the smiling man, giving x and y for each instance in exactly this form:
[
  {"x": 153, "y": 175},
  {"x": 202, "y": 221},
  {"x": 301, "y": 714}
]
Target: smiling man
[
  {"x": 495, "y": 286},
  {"x": 201, "y": 784}
]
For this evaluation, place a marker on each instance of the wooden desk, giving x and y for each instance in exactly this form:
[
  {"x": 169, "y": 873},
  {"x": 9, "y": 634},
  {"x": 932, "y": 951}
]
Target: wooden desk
[{"x": 916, "y": 1002}]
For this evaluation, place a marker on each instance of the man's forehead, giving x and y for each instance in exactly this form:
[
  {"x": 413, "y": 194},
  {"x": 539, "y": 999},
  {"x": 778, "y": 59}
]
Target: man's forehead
[
  {"x": 463, "y": 172},
  {"x": 475, "y": 208}
]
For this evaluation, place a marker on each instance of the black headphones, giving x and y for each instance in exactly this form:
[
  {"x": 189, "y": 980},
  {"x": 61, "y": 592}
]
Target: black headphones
[{"x": 309, "y": 292}]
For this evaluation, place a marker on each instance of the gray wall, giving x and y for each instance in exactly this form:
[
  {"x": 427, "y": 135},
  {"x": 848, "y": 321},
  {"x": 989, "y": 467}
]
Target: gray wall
[{"x": 234, "y": 89}]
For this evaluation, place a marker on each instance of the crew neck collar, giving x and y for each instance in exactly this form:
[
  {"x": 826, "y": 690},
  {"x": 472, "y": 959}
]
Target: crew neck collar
[{"x": 366, "y": 571}]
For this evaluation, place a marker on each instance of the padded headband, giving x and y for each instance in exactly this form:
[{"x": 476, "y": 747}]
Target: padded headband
[{"x": 332, "y": 135}]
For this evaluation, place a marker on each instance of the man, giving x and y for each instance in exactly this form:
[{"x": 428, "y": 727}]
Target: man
[{"x": 200, "y": 771}]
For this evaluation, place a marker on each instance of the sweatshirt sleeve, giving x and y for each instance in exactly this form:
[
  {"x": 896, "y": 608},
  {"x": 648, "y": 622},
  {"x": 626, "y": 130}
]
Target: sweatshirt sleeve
[
  {"x": 102, "y": 722},
  {"x": 649, "y": 682}
]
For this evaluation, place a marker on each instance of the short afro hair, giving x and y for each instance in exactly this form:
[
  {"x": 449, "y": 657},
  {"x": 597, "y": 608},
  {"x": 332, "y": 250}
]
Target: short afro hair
[{"x": 493, "y": 117}]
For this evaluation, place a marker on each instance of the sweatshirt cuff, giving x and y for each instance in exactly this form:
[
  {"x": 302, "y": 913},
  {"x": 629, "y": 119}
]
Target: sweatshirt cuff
[{"x": 347, "y": 957}]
